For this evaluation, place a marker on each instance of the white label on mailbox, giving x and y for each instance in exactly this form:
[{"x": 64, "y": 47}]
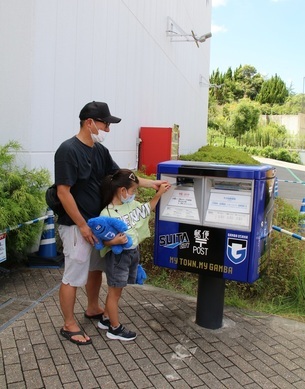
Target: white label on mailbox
[
  {"x": 230, "y": 218},
  {"x": 230, "y": 208},
  {"x": 183, "y": 198},
  {"x": 182, "y": 205},
  {"x": 231, "y": 202},
  {"x": 181, "y": 213},
  {"x": 2, "y": 248}
]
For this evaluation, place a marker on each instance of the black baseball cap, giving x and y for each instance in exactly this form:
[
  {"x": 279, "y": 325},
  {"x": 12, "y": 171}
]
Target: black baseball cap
[{"x": 99, "y": 111}]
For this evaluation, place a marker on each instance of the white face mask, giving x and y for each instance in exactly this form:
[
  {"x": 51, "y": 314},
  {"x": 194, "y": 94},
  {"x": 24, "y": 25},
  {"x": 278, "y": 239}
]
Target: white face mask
[
  {"x": 99, "y": 137},
  {"x": 128, "y": 199}
]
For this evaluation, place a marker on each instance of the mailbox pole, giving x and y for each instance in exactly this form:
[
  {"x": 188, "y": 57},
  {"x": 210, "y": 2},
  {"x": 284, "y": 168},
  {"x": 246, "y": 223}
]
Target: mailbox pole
[{"x": 210, "y": 302}]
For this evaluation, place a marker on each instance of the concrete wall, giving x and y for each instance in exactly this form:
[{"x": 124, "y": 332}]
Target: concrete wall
[
  {"x": 295, "y": 124},
  {"x": 58, "y": 55}
]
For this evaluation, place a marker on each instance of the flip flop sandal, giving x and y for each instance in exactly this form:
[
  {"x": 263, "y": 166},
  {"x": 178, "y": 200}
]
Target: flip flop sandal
[
  {"x": 68, "y": 335},
  {"x": 98, "y": 316}
]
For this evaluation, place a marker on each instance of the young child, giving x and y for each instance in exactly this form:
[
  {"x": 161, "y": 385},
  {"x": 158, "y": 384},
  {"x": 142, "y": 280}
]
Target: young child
[{"x": 119, "y": 192}]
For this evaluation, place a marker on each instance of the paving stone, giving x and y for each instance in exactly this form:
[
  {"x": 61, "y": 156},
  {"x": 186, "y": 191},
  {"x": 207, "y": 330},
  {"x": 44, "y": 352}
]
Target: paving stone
[
  {"x": 75, "y": 385},
  {"x": 154, "y": 356},
  {"x": 41, "y": 351},
  {"x": 232, "y": 383},
  {"x": 17, "y": 385},
  {"x": 147, "y": 367},
  {"x": 28, "y": 361},
  {"x": 10, "y": 356},
  {"x": 285, "y": 373},
  {"x": 33, "y": 379},
  {"x": 217, "y": 370},
  {"x": 53, "y": 382},
  {"x": 127, "y": 362},
  {"x": 97, "y": 367},
  {"x": 280, "y": 382},
  {"x": 158, "y": 381},
  {"x": 261, "y": 380},
  {"x": 107, "y": 357},
  {"x": 13, "y": 373},
  {"x": 178, "y": 362},
  {"x": 299, "y": 385},
  {"x": 260, "y": 366},
  {"x": 251, "y": 350},
  {"x": 139, "y": 380},
  {"x": 106, "y": 382},
  {"x": 66, "y": 373},
  {"x": 135, "y": 350},
  {"x": 242, "y": 378},
  {"x": 60, "y": 357},
  {"x": 221, "y": 359},
  {"x": 169, "y": 372},
  {"x": 300, "y": 373},
  {"x": 188, "y": 375},
  {"x": 118, "y": 373},
  {"x": 2, "y": 381},
  {"x": 211, "y": 381},
  {"x": 47, "y": 367},
  {"x": 116, "y": 347},
  {"x": 86, "y": 379}
]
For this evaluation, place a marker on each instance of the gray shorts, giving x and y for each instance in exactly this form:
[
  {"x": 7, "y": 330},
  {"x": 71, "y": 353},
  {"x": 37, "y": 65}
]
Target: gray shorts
[
  {"x": 80, "y": 256},
  {"x": 121, "y": 269}
]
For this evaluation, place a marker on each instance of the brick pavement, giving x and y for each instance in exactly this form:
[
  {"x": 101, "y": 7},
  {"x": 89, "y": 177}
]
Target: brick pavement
[{"x": 250, "y": 350}]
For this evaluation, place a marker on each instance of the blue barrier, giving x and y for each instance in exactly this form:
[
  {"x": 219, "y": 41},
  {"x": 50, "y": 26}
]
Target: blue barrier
[
  {"x": 276, "y": 187},
  {"x": 292, "y": 234},
  {"x": 47, "y": 256},
  {"x": 8, "y": 229},
  {"x": 293, "y": 182}
]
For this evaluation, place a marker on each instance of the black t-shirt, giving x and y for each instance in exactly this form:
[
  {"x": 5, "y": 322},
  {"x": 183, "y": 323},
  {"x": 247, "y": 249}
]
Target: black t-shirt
[{"x": 82, "y": 168}]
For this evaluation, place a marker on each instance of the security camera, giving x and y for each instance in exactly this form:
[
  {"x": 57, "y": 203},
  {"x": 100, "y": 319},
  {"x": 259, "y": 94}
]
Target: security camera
[{"x": 204, "y": 37}]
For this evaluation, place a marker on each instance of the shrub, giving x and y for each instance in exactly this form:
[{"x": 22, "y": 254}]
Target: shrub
[
  {"x": 281, "y": 280},
  {"x": 21, "y": 200},
  {"x": 220, "y": 154}
]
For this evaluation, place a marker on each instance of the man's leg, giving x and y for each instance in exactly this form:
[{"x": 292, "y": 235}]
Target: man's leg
[
  {"x": 77, "y": 259},
  {"x": 93, "y": 287},
  {"x": 67, "y": 296}
]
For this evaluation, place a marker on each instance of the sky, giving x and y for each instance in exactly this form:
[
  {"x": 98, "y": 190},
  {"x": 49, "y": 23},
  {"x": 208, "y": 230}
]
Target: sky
[{"x": 267, "y": 34}]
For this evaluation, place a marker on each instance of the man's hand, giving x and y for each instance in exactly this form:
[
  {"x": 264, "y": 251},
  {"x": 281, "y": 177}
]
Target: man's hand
[
  {"x": 154, "y": 184},
  {"x": 88, "y": 234}
]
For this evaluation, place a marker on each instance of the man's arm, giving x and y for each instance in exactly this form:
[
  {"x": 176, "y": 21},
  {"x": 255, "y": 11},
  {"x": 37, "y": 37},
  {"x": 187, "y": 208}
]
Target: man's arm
[
  {"x": 69, "y": 204},
  {"x": 148, "y": 183}
]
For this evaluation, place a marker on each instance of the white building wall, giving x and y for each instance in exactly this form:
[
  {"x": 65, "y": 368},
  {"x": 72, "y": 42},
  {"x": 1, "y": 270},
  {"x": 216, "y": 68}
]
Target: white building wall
[{"x": 58, "y": 55}]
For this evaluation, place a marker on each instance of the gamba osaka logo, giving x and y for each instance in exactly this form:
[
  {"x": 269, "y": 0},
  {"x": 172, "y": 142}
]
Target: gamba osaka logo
[{"x": 237, "y": 250}]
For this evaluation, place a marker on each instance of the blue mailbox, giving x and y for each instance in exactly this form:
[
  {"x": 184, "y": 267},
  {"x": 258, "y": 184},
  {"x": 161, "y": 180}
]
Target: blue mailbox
[{"x": 215, "y": 220}]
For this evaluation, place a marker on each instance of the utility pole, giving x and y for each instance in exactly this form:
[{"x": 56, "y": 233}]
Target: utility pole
[{"x": 303, "y": 96}]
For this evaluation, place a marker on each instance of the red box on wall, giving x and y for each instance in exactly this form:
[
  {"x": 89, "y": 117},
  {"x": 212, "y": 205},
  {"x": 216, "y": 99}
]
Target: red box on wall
[{"x": 155, "y": 146}]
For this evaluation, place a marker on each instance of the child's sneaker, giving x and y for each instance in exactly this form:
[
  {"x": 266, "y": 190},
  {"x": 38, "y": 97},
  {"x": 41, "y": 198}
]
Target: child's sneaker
[
  {"x": 120, "y": 333},
  {"x": 104, "y": 323}
]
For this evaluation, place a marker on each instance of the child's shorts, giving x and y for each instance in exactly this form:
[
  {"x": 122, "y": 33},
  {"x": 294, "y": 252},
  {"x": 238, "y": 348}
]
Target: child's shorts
[{"x": 121, "y": 269}]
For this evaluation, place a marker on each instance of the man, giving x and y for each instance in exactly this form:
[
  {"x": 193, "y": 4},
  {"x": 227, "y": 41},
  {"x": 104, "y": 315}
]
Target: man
[{"x": 80, "y": 164}]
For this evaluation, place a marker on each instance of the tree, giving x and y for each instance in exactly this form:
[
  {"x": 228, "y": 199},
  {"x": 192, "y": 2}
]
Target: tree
[
  {"x": 273, "y": 91},
  {"x": 230, "y": 86},
  {"x": 244, "y": 118}
]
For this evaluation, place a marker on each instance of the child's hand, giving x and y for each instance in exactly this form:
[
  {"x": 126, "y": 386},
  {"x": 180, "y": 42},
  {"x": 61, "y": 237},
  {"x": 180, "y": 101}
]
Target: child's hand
[
  {"x": 119, "y": 239},
  {"x": 164, "y": 187}
]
